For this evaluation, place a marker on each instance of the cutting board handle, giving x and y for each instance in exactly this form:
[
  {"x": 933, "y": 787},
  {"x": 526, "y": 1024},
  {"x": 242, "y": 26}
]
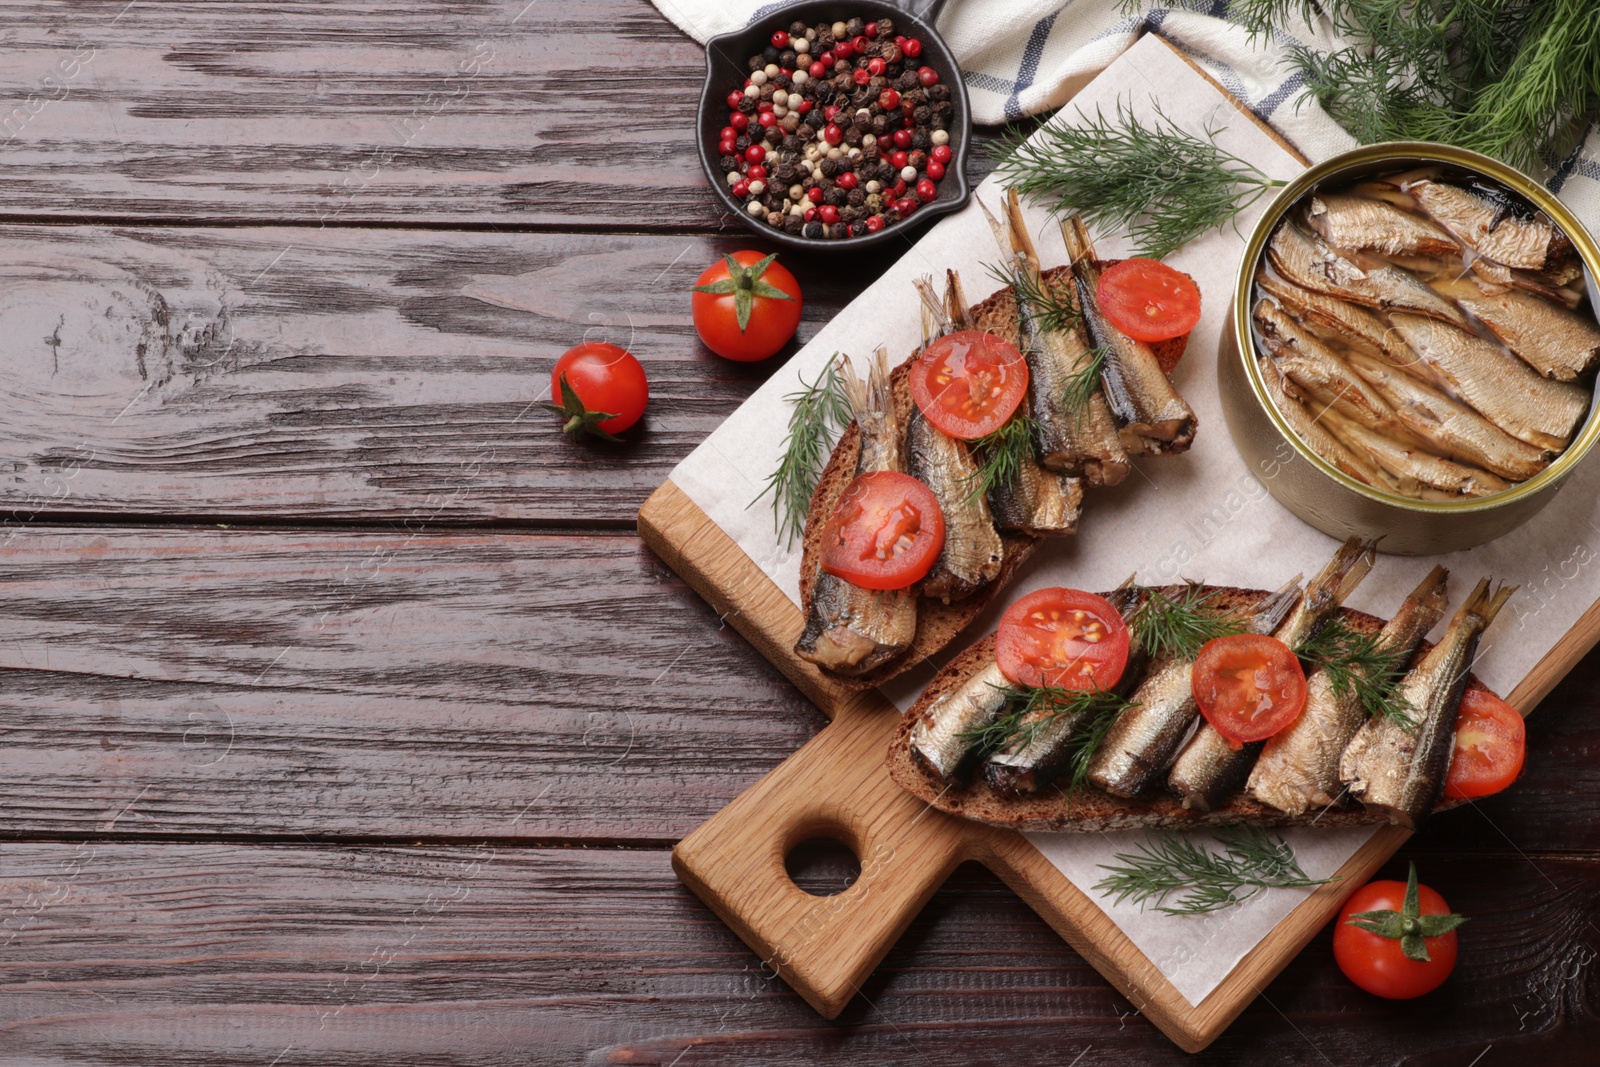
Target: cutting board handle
[{"x": 836, "y": 787}]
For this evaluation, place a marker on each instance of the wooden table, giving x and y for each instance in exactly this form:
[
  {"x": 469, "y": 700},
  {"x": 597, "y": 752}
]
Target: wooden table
[{"x": 346, "y": 719}]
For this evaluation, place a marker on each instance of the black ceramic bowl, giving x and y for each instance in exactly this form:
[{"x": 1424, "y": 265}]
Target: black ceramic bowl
[{"x": 726, "y": 70}]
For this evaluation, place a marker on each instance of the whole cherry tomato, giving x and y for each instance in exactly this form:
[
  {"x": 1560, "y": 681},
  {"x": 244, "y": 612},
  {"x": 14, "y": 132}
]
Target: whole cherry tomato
[
  {"x": 1396, "y": 939},
  {"x": 608, "y": 390},
  {"x": 746, "y": 306}
]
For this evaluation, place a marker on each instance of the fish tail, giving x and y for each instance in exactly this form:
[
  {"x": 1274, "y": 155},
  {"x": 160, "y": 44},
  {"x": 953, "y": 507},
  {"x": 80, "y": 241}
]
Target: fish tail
[
  {"x": 1076, "y": 235},
  {"x": 1431, "y": 588},
  {"x": 1275, "y": 607},
  {"x": 878, "y": 394},
  {"x": 1485, "y": 604},
  {"x": 1002, "y": 233},
  {"x": 955, "y": 301},
  {"x": 1021, "y": 241},
  {"x": 935, "y": 320},
  {"x": 855, "y": 390},
  {"x": 1352, "y": 563}
]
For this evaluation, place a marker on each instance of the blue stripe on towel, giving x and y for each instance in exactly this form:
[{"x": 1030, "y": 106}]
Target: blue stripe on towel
[{"x": 1031, "y": 55}]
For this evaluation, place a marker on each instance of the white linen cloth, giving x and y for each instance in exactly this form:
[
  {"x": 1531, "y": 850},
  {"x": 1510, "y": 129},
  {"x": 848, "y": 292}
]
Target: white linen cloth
[{"x": 1022, "y": 57}]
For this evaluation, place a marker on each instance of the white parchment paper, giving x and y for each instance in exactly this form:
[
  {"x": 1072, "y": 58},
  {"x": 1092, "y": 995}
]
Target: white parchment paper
[{"x": 1203, "y": 515}]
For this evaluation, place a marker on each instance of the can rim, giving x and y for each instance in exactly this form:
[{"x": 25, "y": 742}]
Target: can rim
[{"x": 1402, "y": 154}]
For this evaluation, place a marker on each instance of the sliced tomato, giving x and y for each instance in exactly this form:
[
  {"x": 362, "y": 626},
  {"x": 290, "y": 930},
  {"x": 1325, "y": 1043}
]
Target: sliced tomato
[
  {"x": 1148, "y": 300},
  {"x": 1491, "y": 746},
  {"x": 1248, "y": 686},
  {"x": 968, "y": 383},
  {"x": 886, "y": 533},
  {"x": 1064, "y": 638}
]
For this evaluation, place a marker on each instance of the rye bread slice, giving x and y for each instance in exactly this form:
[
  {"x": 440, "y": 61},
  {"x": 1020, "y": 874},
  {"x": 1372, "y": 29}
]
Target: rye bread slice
[
  {"x": 1090, "y": 808},
  {"x": 938, "y": 624}
]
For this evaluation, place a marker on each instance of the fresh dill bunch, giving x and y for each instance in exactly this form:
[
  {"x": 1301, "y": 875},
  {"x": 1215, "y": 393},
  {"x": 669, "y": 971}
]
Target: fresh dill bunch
[
  {"x": 1001, "y": 455},
  {"x": 1161, "y": 184},
  {"x": 1180, "y": 626},
  {"x": 1250, "y": 860},
  {"x": 1052, "y": 310},
  {"x": 1514, "y": 79},
  {"x": 1084, "y": 382},
  {"x": 1030, "y": 711},
  {"x": 820, "y": 409},
  {"x": 1360, "y": 664}
]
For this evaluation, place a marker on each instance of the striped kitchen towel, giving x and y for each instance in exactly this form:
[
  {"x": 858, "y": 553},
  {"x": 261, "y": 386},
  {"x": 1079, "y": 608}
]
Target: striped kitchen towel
[{"x": 1021, "y": 57}]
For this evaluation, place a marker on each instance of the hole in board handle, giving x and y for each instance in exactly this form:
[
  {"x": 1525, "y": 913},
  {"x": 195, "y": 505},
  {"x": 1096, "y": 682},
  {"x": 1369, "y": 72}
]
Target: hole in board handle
[{"x": 822, "y": 866}]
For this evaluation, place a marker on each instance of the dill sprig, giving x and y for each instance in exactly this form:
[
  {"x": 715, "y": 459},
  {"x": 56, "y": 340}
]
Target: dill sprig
[
  {"x": 1086, "y": 739},
  {"x": 1180, "y": 626},
  {"x": 1360, "y": 664},
  {"x": 1001, "y": 455},
  {"x": 1084, "y": 382},
  {"x": 1031, "y": 712},
  {"x": 1158, "y": 182},
  {"x": 820, "y": 410},
  {"x": 1052, "y": 309},
  {"x": 1250, "y": 861}
]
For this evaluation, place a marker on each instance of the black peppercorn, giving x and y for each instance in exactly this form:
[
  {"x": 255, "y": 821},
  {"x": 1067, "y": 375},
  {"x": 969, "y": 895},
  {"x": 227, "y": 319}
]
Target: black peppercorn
[
  {"x": 886, "y": 29},
  {"x": 921, "y": 115},
  {"x": 890, "y": 53},
  {"x": 837, "y": 231},
  {"x": 812, "y": 230},
  {"x": 844, "y": 163},
  {"x": 728, "y": 163},
  {"x": 805, "y": 133},
  {"x": 767, "y": 90},
  {"x": 869, "y": 154},
  {"x": 748, "y": 105},
  {"x": 790, "y": 143},
  {"x": 917, "y": 159},
  {"x": 755, "y": 64},
  {"x": 858, "y": 228},
  {"x": 854, "y": 27},
  {"x": 742, "y": 142},
  {"x": 862, "y": 119},
  {"x": 939, "y": 92},
  {"x": 824, "y": 42},
  {"x": 907, "y": 82},
  {"x": 793, "y": 224},
  {"x": 855, "y": 198},
  {"x": 880, "y": 125},
  {"x": 770, "y": 54},
  {"x": 797, "y": 28},
  {"x": 786, "y": 58},
  {"x": 834, "y": 196},
  {"x": 775, "y": 219},
  {"x": 919, "y": 139},
  {"x": 820, "y": 91},
  {"x": 852, "y": 137},
  {"x": 829, "y": 168}
]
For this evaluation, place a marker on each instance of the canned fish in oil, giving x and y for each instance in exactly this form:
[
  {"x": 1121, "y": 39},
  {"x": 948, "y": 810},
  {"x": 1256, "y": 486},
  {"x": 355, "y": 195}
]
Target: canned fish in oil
[{"x": 1348, "y": 493}]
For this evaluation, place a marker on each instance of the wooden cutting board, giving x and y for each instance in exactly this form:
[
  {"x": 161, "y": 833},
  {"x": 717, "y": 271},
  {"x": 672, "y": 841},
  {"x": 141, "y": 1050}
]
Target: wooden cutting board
[{"x": 837, "y": 787}]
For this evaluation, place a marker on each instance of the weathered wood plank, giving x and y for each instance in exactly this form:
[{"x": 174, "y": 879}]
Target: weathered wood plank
[
  {"x": 220, "y": 954},
  {"x": 554, "y": 113},
  {"x": 249, "y": 682},
  {"x": 435, "y": 683},
  {"x": 348, "y": 374}
]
